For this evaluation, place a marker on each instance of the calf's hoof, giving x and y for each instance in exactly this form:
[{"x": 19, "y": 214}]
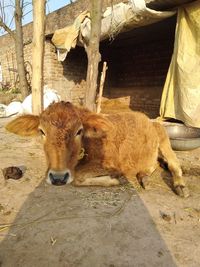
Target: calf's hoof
[
  {"x": 120, "y": 177},
  {"x": 122, "y": 180},
  {"x": 143, "y": 180},
  {"x": 182, "y": 191}
]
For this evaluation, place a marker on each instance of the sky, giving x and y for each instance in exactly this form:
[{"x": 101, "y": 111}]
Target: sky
[
  {"x": 51, "y": 6},
  {"x": 56, "y": 4}
]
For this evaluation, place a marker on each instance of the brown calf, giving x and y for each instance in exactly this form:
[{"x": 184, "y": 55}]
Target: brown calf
[{"x": 112, "y": 146}]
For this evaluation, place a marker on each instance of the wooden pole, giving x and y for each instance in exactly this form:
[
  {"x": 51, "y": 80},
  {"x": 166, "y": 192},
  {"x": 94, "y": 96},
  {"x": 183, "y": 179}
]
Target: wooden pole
[
  {"x": 38, "y": 55},
  {"x": 103, "y": 76},
  {"x": 93, "y": 54}
]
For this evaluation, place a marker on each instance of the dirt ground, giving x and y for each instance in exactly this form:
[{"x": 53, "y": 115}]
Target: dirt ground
[{"x": 43, "y": 225}]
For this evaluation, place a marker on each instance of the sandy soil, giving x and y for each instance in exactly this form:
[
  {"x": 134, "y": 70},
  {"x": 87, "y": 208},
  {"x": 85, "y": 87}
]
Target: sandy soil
[{"x": 43, "y": 225}]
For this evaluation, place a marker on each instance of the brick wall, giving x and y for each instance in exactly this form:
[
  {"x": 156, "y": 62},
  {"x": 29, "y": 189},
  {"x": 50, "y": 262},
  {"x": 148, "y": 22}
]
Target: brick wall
[
  {"x": 65, "y": 76},
  {"x": 138, "y": 69},
  {"x": 9, "y": 65},
  {"x": 62, "y": 77},
  {"x": 137, "y": 62},
  {"x": 8, "y": 61}
]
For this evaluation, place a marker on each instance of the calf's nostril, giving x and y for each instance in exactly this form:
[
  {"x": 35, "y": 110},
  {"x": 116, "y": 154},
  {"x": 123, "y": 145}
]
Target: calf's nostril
[
  {"x": 51, "y": 176},
  {"x": 66, "y": 176},
  {"x": 59, "y": 178}
]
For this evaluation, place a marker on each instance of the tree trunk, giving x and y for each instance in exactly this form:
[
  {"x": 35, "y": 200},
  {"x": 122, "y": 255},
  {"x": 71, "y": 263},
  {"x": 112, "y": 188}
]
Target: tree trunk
[
  {"x": 93, "y": 54},
  {"x": 38, "y": 55},
  {"x": 24, "y": 88}
]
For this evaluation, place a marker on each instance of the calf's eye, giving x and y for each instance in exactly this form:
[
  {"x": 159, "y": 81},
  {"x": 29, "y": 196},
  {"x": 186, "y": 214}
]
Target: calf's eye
[
  {"x": 42, "y": 132},
  {"x": 79, "y": 132}
]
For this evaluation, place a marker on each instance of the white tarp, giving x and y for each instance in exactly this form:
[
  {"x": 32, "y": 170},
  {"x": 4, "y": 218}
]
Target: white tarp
[
  {"x": 124, "y": 17},
  {"x": 118, "y": 18},
  {"x": 181, "y": 93}
]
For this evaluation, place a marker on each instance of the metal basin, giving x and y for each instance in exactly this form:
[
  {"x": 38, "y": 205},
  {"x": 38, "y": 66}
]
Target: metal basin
[{"x": 183, "y": 137}]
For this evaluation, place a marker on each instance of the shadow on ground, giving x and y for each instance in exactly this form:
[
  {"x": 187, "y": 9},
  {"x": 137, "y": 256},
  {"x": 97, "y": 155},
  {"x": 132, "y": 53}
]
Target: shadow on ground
[{"x": 67, "y": 226}]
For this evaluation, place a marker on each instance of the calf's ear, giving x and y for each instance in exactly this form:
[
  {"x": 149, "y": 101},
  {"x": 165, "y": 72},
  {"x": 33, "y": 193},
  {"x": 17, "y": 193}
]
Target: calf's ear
[
  {"x": 94, "y": 132},
  {"x": 26, "y": 125},
  {"x": 96, "y": 127}
]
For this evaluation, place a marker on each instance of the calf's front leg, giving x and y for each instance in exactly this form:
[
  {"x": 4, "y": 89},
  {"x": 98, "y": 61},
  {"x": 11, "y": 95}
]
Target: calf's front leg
[
  {"x": 98, "y": 181},
  {"x": 93, "y": 175}
]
